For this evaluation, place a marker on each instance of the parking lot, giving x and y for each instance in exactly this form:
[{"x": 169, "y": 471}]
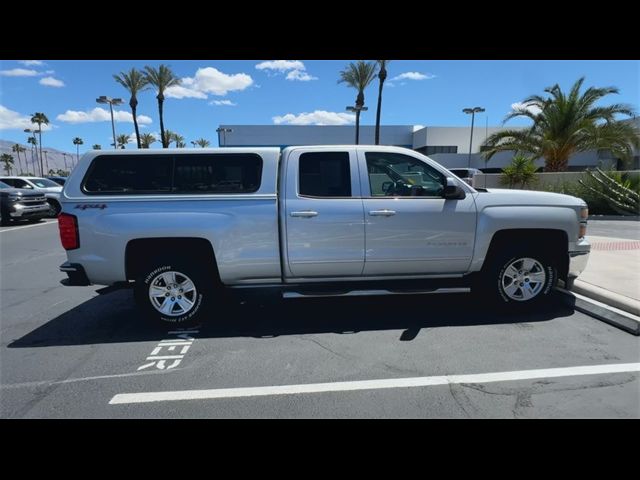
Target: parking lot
[{"x": 72, "y": 353}]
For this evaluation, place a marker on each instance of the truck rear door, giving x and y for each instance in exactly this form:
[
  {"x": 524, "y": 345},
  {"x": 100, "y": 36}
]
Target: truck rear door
[{"x": 323, "y": 213}]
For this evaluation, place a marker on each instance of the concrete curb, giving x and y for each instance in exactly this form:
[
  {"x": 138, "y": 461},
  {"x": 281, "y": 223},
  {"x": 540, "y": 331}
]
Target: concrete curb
[
  {"x": 606, "y": 296},
  {"x": 611, "y": 315}
]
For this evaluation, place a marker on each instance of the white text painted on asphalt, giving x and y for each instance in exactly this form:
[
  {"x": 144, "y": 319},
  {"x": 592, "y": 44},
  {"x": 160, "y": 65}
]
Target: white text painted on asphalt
[{"x": 169, "y": 352}]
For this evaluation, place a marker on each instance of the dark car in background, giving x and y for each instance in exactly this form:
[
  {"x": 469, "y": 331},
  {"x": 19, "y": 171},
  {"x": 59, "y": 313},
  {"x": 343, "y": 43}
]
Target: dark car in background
[
  {"x": 58, "y": 180},
  {"x": 19, "y": 204}
]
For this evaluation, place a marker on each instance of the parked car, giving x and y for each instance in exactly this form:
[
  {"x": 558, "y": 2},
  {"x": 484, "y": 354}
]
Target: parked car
[
  {"x": 182, "y": 226},
  {"x": 19, "y": 204},
  {"x": 58, "y": 180},
  {"x": 49, "y": 188},
  {"x": 465, "y": 174}
]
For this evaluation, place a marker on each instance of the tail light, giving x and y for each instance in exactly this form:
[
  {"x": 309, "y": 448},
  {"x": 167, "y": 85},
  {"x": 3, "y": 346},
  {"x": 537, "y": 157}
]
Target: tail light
[{"x": 69, "y": 235}]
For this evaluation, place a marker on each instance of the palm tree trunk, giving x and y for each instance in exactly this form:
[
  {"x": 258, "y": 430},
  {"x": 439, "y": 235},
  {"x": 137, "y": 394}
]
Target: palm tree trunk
[
  {"x": 41, "y": 164},
  {"x": 164, "y": 140},
  {"x": 357, "y": 127},
  {"x": 19, "y": 162},
  {"x": 378, "y": 113},
  {"x": 135, "y": 122}
]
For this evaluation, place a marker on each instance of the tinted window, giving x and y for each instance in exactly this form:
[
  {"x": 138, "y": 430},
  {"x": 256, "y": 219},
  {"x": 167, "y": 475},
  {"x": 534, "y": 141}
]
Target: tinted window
[
  {"x": 325, "y": 174},
  {"x": 398, "y": 175},
  {"x": 44, "y": 182},
  {"x": 218, "y": 173},
  {"x": 131, "y": 174},
  {"x": 17, "y": 183}
]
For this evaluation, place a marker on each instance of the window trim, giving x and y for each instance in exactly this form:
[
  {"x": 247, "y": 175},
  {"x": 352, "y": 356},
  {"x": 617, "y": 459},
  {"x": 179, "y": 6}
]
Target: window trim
[{"x": 171, "y": 192}]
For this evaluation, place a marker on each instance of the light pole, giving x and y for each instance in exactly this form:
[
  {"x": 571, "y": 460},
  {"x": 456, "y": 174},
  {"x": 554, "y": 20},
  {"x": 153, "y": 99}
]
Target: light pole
[
  {"x": 46, "y": 159},
  {"x": 224, "y": 135},
  {"x": 473, "y": 112},
  {"x": 111, "y": 102},
  {"x": 357, "y": 109}
]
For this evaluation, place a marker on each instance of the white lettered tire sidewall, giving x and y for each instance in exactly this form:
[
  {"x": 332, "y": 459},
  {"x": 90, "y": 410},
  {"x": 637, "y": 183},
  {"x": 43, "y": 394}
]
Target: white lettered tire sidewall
[{"x": 194, "y": 315}]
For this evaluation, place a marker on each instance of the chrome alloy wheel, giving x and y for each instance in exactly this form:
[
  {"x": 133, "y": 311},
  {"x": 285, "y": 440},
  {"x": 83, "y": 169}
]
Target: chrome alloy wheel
[
  {"x": 523, "y": 279},
  {"x": 172, "y": 293}
]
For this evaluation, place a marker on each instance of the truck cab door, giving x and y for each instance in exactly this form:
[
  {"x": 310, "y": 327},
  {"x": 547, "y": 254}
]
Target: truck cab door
[
  {"x": 411, "y": 229},
  {"x": 323, "y": 214}
]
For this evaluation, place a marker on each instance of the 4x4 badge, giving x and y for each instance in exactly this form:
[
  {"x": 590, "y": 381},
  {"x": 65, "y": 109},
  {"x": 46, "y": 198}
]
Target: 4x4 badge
[{"x": 84, "y": 206}]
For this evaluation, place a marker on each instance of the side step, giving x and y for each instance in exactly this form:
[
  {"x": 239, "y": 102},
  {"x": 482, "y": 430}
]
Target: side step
[{"x": 366, "y": 293}]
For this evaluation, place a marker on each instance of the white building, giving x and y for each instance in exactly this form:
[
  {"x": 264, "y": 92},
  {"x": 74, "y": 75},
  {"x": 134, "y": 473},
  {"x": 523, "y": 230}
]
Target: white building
[{"x": 447, "y": 145}]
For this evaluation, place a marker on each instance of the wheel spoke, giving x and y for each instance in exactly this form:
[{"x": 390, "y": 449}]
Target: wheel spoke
[
  {"x": 528, "y": 264},
  {"x": 537, "y": 277},
  {"x": 169, "y": 278},
  {"x": 187, "y": 286},
  {"x": 511, "y": 289},
  {"x": 184, "y": 303},
  {"x": 156, "y": 291},
  {"x": 511, "y": 271},
  {"x": 528, "y": 291},
  {"x": 167, "y": 306}
]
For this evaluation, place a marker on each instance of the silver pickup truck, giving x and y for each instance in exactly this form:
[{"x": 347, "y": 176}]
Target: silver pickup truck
[{"x": 181, "y": 226}]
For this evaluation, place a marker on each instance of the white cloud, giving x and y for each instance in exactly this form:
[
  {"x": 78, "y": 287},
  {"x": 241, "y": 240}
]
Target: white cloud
[
  {"x": 228, "y": 103},
  {"x": 31, "y": 63},
  {"x": 295, "y": 68},
  {"x": 534, "y": 109},
  {"x": 10, "y": 120},
  {"x": 49, "y": 72},
  {"x": 319, "y": 117},
  {"x": 413, "y": 76},
  {"x": 281, "y": 65},
  {"x": 51, "y": 82},
  {"x": 100, "y": 115},
  {"x": 19, "y": 72},
  {"x": 300, "y": 75},
  {"x": 209, "y": 80}
]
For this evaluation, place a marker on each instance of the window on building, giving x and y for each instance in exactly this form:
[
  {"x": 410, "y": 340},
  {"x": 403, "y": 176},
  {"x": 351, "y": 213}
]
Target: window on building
[
  {"x": 325, "y": 174},
  {"x": 431, "y": 149}
]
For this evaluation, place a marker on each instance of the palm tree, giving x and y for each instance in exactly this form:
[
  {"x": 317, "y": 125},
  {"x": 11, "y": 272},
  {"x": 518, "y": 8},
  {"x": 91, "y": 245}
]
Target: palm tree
[
  {"x": 77, "y": 142},
  {"x": 96, "y": 146},
  {"x": 179, "y": 139},
  {"x": 122, "y": 140},
  {"x": 358, "y": 75},
  {"x": 167, "y": 138},
  {"x": 7, "y": 159},
  {"x": 146, "y": 139},
  {"x": 202, "y": 142},
  {"x": 17, "y": 149},
  {"x": 567, "y": 124},
  {"x": 135, "y": 82},
  {"x": 161, "y": 78},
  {"x": 34, "y": 143},
  {"x": 382, "y": 76},
  {"x": 40, "y": 118}
]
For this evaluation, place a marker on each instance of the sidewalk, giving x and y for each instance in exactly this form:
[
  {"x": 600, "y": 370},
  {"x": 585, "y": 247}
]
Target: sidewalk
[{"x": 612, "y": 275}]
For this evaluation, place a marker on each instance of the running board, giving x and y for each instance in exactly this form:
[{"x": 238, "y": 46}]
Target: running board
[{"x": 366, "y": 293}]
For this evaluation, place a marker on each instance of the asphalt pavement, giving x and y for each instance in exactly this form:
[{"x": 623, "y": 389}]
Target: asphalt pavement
[{"x": 72, "y": 353}]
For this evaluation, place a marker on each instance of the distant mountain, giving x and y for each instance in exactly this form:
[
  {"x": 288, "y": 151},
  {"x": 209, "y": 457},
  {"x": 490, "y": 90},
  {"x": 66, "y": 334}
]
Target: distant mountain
[{"x": 53, "y": 159}]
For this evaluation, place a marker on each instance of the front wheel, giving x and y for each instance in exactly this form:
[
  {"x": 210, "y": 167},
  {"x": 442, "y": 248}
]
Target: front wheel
[
  {"x": 518, "y": 278},
  {"x": 174, "y": 294}
]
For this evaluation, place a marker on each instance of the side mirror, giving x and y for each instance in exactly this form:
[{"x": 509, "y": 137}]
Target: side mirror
[
  {"x": 453, "y": 191},
  {"x": 387, "y": 186}
]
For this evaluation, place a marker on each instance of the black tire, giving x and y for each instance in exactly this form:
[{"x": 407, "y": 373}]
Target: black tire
[
  {"x": 489, "y": 286},
  {"x": 54, "y": 208},
  {"x": 5, "y": 219},
  {"x": 202, "y": 299}
]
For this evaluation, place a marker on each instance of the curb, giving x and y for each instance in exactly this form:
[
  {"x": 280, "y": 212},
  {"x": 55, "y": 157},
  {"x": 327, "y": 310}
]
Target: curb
[
  {"x": 608, "y": 297},
  {"x": 613, "y": 316}
]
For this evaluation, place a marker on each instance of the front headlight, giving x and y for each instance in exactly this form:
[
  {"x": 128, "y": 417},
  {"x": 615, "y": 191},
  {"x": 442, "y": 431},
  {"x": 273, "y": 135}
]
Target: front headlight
[
  {"x": 584, "y": 215},
  {"x": 15, "y": 199}
]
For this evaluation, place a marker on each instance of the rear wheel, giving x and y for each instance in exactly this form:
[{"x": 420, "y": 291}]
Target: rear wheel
[
  {"x": 175, "y": 294},
  {"x": 518, "y": 278}
]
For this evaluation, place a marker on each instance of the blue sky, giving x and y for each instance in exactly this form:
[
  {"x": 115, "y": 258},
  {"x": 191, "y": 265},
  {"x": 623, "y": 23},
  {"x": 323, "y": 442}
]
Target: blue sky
[{"x": 425, "y": 92}]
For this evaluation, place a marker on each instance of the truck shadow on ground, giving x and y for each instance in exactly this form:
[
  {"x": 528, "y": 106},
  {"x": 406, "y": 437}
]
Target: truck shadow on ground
[{"x": 113, "y": 318}]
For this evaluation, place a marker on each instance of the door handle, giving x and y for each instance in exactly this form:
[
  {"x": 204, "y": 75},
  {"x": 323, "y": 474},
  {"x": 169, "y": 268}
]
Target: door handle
[
  {"x": 305, "y": 214},
  {"x": 382, "y": 213}
]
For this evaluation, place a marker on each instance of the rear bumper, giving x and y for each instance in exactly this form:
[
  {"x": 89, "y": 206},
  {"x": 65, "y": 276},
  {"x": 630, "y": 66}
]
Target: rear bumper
[{"x": 77, "y": 277}]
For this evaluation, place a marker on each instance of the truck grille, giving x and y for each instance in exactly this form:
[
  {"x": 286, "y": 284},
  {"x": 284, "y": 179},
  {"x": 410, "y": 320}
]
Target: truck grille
[{"x": 33, "y": 201}]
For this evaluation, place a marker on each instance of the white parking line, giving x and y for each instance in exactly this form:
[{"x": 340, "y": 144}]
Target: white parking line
[
  {"x": 126, "y": 398},
  {"x": 28, "y": 226}
]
